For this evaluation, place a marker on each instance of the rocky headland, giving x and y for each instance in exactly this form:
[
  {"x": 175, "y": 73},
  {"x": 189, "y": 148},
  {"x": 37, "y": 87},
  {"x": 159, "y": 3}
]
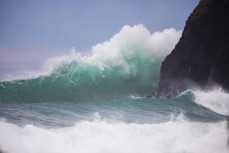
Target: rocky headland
[{"x": 201, "y": 57}]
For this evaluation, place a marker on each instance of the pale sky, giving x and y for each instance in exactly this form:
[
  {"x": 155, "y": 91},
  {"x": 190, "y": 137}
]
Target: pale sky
[{"x": 34, "y": 30}]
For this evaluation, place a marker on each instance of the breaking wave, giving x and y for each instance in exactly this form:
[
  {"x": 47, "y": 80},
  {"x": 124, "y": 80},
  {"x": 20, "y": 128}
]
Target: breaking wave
[
  {"x": 129, "y": 63},
  {"x": 216, "y": 100}
]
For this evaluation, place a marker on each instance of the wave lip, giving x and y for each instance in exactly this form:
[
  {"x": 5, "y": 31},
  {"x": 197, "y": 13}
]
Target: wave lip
[{"x": 216, "y": 100}]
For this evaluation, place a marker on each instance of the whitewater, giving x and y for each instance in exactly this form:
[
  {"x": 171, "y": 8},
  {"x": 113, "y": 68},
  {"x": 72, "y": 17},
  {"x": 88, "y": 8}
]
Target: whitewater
[{"x": 96, "y": 102}]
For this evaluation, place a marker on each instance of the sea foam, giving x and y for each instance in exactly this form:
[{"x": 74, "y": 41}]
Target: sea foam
[{"x": 98, "y": 136}]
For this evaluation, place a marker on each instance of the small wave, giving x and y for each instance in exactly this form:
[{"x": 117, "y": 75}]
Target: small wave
[
  {"x": 135, "y": 97},
  {"x": 102, "y": 136},
  {"x": 216, "y": 100}
]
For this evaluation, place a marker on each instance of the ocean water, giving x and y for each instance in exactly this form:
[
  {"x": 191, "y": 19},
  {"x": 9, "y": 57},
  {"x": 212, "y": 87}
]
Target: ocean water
[{"x": 96, "y": 102}]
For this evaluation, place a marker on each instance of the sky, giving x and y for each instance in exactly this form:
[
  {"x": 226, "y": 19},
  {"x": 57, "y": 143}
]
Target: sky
[{"x": 33, "y": 30}]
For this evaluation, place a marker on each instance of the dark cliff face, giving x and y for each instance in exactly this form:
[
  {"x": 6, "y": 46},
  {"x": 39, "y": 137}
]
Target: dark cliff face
[{"x": 201, "y": 57}]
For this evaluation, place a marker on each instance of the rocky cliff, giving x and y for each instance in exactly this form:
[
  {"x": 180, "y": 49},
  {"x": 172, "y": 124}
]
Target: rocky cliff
[{"x": 201, "y": 57}]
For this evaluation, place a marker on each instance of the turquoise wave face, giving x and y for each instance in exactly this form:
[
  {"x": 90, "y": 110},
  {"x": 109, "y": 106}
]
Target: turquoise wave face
[{"x": 79, "y": 80}]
